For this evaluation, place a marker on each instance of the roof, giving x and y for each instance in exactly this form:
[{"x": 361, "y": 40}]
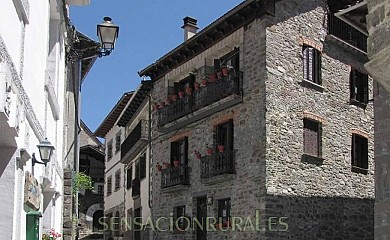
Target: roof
[
  {"x": 112, "y": 117},
  {"x": 137, "y": 99},
  {"x": 91, "y": 134},
  {"x": 236, "y": 18},
  {"x": 89, "y": 49},
  {"x": 94, "y": 151}
]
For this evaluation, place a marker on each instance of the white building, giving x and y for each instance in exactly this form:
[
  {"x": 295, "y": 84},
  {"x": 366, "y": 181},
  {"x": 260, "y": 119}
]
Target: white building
[
  {"x": 33, "y": 35},
  {"x": 135, "y": 154},
  {"x": 114, "y": 191}
]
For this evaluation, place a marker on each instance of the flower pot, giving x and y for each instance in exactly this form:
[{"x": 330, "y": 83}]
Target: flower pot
[
  {"x": 196, "y": 86},
  {"x": 159, "y": 167},
  {"x": 177, "y": 163},
  {"x": 181, "y": 94},
  {"x": 212, "y": 77},
  {"x": 198, "y": 155},
  {"x": 209, "y": 151},
  {"x": 188, "y": 90},
  {"x": 221, "y": 148},
  {"x": 225, "y": 71},
  {"x": 204, "y": 83},
  {"x": 174, "y": 97}
]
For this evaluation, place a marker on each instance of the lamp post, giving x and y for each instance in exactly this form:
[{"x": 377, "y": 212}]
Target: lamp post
[
  {"x": 107, "y": 33},
  {"x": 45, "y": 151}
]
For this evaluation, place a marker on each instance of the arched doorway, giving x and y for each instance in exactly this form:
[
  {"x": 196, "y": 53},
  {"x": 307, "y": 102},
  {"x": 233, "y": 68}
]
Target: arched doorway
[{"x": 96, "y": 224}]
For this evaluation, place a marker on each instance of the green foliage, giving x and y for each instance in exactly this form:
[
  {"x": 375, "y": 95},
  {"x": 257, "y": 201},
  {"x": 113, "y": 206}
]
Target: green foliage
[{"x": 82, "y": 181}]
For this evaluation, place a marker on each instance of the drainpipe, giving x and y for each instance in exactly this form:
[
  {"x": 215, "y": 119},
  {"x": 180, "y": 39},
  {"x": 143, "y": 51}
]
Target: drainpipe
[{"x": 150, "y": 146}]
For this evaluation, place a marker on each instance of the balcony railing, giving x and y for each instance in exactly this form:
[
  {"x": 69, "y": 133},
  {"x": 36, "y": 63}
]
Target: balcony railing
[
  {"x": 174, "y": 176},
  {"x": 218, "y": 164},
  {"x": 205, "y": 96},
  {"x": 135, "y": 141},
  {"x": 346, "y": 32}
]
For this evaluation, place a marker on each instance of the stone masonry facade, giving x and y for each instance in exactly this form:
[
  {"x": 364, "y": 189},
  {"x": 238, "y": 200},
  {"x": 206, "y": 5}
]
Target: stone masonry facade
[
  {"x": 318, "y": 198},
  {"x": 378, "y": 24}
]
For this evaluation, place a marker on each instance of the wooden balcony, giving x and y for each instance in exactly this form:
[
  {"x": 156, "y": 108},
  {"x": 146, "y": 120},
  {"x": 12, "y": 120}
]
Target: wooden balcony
[
  {"x": 346, "y": 33},
  {"x": 218, "y": 164},
  {"x": 135, "y": 141},
  {"x": 226, "y": 87},
  {"x": 174, "y": 176}
]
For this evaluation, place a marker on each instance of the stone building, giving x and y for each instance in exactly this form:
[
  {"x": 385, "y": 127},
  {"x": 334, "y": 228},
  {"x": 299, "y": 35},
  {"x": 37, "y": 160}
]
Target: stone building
[
  {"x": 114, "y": 189},
  {"x": 135, "y": 152},
  {"x": 378, "y": 25},
  {"x": 91, "y": 202},
  {"x": 264, "y": 122}
]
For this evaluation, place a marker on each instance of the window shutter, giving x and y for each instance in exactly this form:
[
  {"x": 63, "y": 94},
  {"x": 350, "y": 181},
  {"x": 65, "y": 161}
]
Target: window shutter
[
  {"x": 230, "y": 135},
  {"x": 364, "y": 151},
  {"x": 365, "y": 88},
  {"x": 174, "y": 151},
  {"x": 129, "y": 177},
  {"x": 185, "y": 160},
  {"x": 354, "y": 151},
  {"x": 217, "y": 64},
  {"x": 353, "y": 87},
  {"x": 318, "y": 67},
  {"x": 311, "y": 137},
  {"x": 175, "y": 213},
  {"x": 319, "y": 140},
  {"x": 310, "y": 64},
  {"x": 305, "y": 62},
  {"x": 143, "y": 166}
]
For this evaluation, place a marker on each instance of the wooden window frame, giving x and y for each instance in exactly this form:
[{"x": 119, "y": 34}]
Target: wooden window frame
[
  {"x": 129, "y": 177},
  {"x": 118, "y": 142},
  {"x": 312, "y": 64},
  {"x": 109, "y": 150},
  {"x": 224, "y": 204},
  {"x": 309, "y": 126},
  {"x": 359, "y": 153},
  {"x": 117, "y": 185},
  {"x": 109, "y": 185},
  {"x": 358, "y": 87},
  {"x": 224, "y": 134},
  {"x": 179, "y": 150}
]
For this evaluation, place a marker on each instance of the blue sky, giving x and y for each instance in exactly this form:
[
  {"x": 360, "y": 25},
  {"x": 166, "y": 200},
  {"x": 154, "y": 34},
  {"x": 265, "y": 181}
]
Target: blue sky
[{"x": 148, "y": 30}]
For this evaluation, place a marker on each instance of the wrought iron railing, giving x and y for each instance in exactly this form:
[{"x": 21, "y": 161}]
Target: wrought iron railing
[
  {"x": 217, "y": 164},
  {"x": 205, "y": 96},
  {"x": 138, "y": 133},
  {"x": 346, "y": 32},
  {"x": 174, "y": 176}
]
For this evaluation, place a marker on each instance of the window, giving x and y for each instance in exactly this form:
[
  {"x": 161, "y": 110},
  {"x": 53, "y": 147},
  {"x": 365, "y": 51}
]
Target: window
[
  {"x": 117, "y": 180},
  {"x": 142, "y": 167},
  {"x": 179, "y": 151},
  {"x": 181, "y": 85},
  {"x": 109, "y": 150},
  {"x": 358, "y": 87},
  {"x": 118, "y": 142},
  {"x": 137, "y": 227},
  {"x": 137, "y": 170},
  {"x": 109, "y": 185},
  {"x": 129, "y": 176},
  {"x": 312, "y": 137},
  {"x": 100, "y": 189},
  {"x": 311, "y": 64},
  {"x": 359, "y": 152},
  {"x": 179, "y": 213},
  {"x": 224, "y": 210},
  {"x": 231, "y": 60},
  {"x": 224, "y": 136}
]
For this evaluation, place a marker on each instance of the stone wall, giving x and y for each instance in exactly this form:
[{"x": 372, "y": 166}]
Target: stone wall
[
  {"x": 325, "y": 198},
  {"x": 382, "y": 156},
  {"x": 378, "y": 24},
  {"x": 321, "y": 195}
]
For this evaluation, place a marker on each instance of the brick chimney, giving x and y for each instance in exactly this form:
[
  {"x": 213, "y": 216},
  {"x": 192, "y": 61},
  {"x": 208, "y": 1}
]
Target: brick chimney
[{"x": 190, "y": 27}]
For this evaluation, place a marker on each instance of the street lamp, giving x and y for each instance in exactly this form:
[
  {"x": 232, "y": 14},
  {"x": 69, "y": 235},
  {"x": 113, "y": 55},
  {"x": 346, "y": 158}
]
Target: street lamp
[
  {"x": 107, "y": 33},
  {"x": 45, "y": 151}
]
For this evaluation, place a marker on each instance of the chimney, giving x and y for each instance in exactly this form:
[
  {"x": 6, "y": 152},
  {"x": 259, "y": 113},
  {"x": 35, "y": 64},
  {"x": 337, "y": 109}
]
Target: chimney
[{"x": 190, "y": 27}]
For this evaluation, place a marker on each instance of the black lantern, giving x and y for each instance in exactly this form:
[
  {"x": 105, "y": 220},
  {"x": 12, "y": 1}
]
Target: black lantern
[
  {"x": 45, "y": 151},
  {"x": 107, "y": 33}
]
